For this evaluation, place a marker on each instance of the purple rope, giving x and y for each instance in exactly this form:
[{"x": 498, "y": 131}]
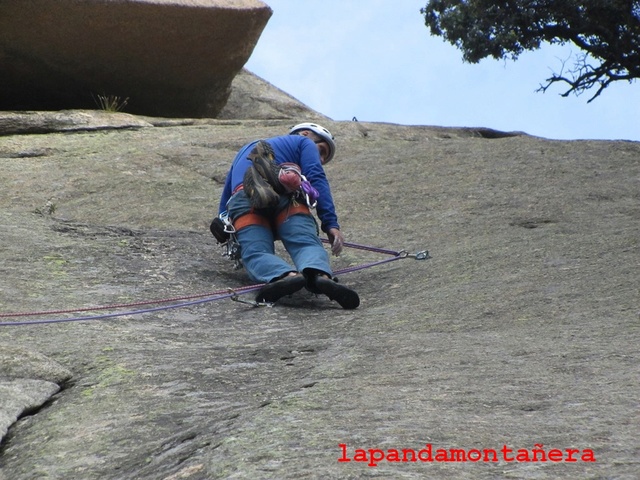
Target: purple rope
[
  {"x": 366, "y": 265},
  {"x": 118, "y": 306},
  {"x": 135, "y": 312},
  {"x": 372, "y": 249},
  {"x": 367, "y": 248},
  {"x": 241, "y": 291}
]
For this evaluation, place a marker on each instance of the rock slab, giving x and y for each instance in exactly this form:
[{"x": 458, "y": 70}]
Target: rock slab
[
  {"x": 522, "y": 330},
  {"x": 27, "y": 380}
]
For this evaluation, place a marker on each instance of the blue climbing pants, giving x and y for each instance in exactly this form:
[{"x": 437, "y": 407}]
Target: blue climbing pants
[{"x": 298, "y": 234}]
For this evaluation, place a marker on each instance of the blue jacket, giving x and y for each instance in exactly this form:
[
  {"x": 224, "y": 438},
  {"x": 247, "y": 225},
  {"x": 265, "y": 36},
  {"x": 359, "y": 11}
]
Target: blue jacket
[{"x": 296, "y": 149}]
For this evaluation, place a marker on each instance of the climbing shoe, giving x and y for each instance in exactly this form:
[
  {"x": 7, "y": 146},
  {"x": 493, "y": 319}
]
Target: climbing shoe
[
  {"x": 264, "y": 161},
  {"x": 347, "y": 298},
  {"x": 260, "y": 193},
  {"x": 273, "y": 291}
]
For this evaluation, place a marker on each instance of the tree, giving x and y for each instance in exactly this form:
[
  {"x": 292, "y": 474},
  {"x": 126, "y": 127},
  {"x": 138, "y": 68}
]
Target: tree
[{"x": 606, "y": 31}]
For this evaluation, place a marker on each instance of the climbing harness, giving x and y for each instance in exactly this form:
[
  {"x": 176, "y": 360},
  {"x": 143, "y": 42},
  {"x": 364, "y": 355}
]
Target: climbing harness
[{"x": 232, "y": 251}]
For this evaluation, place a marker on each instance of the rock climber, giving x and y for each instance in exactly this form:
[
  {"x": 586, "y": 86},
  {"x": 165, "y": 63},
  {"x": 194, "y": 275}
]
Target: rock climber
[{"x": 268, "y": 194}]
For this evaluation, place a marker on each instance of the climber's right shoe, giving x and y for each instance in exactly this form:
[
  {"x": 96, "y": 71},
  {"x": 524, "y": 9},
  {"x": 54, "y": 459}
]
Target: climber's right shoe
[{"x": 347, "y": 298}]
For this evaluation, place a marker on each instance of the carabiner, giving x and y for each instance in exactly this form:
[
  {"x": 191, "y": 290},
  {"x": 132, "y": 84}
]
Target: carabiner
[
  {"x": 236, "y": 298},
  {"x": 422, "y": 255}
]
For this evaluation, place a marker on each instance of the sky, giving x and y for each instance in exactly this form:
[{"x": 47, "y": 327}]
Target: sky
[{"x": 376, "y": 60}]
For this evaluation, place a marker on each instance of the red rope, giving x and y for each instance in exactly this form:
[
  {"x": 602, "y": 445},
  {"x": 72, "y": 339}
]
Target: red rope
[
  {"x": 127, "y": 305},
  {"x": 209, "y": 296}
]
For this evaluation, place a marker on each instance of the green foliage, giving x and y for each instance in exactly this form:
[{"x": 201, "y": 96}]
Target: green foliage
[
  {"x": 111, "y": 103},
  {"x": 607, "y": 31}
]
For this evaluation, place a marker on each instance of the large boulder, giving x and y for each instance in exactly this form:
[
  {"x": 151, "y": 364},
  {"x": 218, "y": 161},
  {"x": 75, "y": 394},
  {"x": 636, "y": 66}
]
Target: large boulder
[{"x": 171, "y": 58}]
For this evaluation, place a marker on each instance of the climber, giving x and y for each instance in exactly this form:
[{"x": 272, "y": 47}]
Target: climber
[{"x": 268, "y": 194}]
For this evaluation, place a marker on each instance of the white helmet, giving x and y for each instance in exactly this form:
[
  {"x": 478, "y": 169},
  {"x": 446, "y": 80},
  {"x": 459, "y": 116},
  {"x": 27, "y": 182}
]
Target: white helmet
[{"x": 321, "y": 132}]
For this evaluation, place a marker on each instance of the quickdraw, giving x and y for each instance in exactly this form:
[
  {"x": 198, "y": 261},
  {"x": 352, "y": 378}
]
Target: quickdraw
[
  {"x": 231, "y": 246},
  {"x": 422, "y": 255},
  {"x": 253, "y": 303}
]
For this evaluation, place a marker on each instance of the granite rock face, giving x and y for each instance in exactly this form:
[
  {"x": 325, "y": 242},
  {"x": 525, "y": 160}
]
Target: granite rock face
[
  {"x": 521, "y": 332},
  {"x": 27, "y": 380},
  {"x": 252, "y": 97},
  {"x": 169, "y": 58}
]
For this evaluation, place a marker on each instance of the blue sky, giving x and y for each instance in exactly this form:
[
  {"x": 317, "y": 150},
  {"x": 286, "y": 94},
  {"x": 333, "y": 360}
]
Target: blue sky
[{"x": 376, "y": 60}]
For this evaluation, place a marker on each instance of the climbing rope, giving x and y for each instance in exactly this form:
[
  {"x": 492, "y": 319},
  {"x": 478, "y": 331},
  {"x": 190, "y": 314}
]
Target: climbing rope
[{"x": 190, "y": 300}]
